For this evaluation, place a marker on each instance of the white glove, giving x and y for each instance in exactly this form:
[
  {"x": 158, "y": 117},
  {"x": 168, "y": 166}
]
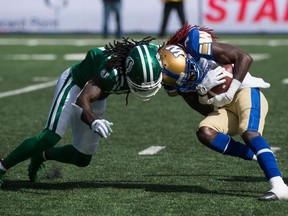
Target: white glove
[
  {"x": 227, "y": 97},
  {"x": 102, "y": 127},
  {"x": 213, "y": 78}
]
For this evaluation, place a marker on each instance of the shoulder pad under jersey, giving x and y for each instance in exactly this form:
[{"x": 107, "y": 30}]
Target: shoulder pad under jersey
[
  {"x": 113, "y": 81},
  {"x": 198, "y": 44}
]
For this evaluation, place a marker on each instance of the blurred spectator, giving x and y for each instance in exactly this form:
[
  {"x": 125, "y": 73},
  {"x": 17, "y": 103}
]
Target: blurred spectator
[
  {"x": 169, "y": 5},
  {"x": 109, "y": 7}
]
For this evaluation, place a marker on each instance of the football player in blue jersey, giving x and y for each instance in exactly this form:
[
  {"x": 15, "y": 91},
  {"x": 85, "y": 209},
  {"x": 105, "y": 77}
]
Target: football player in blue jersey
[
  {"x": 192, "y": 62},
  {"x": 124, "y": 67}
]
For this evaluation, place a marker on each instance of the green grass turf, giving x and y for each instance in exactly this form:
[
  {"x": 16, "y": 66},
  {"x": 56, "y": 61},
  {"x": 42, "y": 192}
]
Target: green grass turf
[{"x": 185, "y": 178}]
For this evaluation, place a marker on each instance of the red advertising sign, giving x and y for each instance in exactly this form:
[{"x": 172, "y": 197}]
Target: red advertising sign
[{"x": 246, "y": 15}]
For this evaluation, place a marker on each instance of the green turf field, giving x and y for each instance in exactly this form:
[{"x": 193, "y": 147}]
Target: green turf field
[{"x": 184, "y": 178}]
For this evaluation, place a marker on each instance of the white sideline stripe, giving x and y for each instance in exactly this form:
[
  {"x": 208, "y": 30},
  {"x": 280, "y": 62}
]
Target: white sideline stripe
[
  {"x": 28, "y": 89},
  {"x": 151, "y": 150}
]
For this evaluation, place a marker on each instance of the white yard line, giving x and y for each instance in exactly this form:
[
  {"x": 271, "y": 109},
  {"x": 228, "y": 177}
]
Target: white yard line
[
  {"x": 260, "y": 56},
  {"x": 74, "y": 56},
  {"x": 45, "y": 57},
  {"x": 43, "y": 79},
  {"x": 28, "y": 89},
  {"x": 274, "y": 149},
  {"x": 285, "y": 81},
  {"x": 151, "y": 150}
]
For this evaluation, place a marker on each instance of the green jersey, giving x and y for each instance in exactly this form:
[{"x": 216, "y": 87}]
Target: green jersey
[{"x": 114, "y": 81}]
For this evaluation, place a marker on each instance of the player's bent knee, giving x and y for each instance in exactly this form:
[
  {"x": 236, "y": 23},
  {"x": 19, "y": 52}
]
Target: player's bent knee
[
  {"x": 206, "y": 135},
  {"x": 248, "y": 135}
]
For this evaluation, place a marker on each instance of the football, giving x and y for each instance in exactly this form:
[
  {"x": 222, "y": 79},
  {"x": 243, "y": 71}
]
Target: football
[{"x": 223, "y": 87}]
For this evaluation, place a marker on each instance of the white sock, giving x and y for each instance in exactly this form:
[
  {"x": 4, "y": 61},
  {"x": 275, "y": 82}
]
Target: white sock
[{"x": 279, "y": 187}]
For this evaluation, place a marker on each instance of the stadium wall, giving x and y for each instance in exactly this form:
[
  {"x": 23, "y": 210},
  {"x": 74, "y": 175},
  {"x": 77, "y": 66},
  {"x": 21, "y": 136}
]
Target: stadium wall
[{"x": 70, "y": 16}]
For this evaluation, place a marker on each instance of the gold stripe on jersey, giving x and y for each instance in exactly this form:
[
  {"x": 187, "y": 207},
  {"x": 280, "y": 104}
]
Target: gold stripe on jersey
[
  {"x": 205, "y": 43},
  {"x": 205, "y": 48}
]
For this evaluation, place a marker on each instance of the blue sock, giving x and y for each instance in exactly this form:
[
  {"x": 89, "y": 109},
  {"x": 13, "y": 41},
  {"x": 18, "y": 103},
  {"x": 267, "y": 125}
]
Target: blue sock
[
  {"x": 265, "y": 157},
  {"x": 227, "y": 145}
]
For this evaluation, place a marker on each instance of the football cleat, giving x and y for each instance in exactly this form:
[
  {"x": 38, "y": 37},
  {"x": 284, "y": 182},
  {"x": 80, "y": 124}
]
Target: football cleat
[
  {"x": 35, "y": 167},
  {"x": 268, "y": 196},
  {"x": 275, "y": 194}
]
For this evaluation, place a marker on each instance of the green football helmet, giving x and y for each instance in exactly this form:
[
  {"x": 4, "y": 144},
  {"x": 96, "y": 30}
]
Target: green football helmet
[{"x": 143, "y": 71}]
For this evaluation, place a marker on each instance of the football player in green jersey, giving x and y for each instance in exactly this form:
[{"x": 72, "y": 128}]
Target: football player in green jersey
[{"x": 124, "y": 67}]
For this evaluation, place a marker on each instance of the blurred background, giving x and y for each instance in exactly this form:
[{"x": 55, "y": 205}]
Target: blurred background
[{"x": 86, "y": 16}]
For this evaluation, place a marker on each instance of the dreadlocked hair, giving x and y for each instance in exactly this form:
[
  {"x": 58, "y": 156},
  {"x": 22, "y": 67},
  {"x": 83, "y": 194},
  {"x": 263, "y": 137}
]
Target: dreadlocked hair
[
  {"x": 119, "y": 51},
  {"x": 183, "y": 31}
]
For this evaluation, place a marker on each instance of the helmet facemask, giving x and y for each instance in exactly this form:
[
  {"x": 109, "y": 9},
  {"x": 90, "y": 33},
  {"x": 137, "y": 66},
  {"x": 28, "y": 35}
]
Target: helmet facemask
[
  {"x": 176, "y": 61},
  {"x": 194, "y": 75},
  {"x": 143, "y": 71}
]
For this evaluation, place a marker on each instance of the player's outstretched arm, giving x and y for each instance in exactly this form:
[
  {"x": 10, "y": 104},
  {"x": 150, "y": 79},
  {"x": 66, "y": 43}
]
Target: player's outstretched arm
[{"x": 89, "y": 94}]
